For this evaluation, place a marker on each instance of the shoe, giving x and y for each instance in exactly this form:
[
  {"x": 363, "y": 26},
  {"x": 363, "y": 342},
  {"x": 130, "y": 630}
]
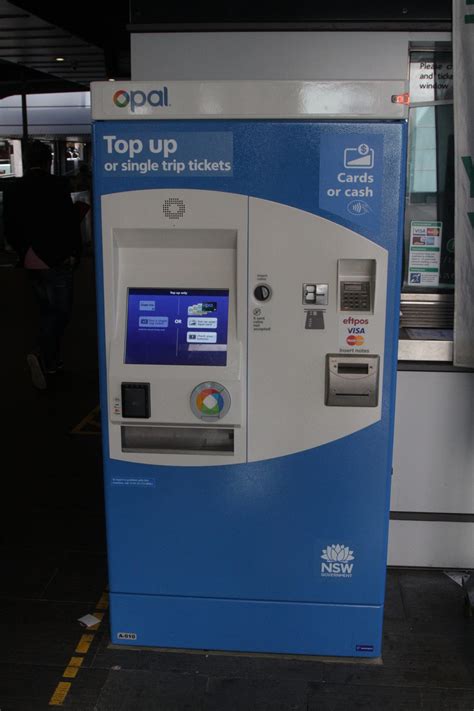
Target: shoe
[
  {"x": 37, "y": 375},
  {"x": 58, "y": 370}
]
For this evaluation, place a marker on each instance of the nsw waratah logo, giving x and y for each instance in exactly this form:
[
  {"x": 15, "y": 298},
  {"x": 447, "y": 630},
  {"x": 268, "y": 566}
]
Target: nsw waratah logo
[
  {"x": 338, "y": 559},
  {"x": 136, "y": 99}
]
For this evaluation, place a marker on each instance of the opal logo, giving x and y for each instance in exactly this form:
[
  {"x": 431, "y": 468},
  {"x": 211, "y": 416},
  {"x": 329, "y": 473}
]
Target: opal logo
[
  {"x": 121, "y": 98},
  {"x": 137, "y": 98},
  {"x": 337, "y": 563}
]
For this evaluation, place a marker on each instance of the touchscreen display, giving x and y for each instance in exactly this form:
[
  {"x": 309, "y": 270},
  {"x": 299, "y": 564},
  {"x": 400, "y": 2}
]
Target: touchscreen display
[{"x": 177, "y": 326}]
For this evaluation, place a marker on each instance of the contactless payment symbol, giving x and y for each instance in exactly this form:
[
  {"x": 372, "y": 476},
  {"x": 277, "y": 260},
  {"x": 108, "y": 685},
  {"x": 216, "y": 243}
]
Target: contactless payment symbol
[{"x": 210, "y": 401}]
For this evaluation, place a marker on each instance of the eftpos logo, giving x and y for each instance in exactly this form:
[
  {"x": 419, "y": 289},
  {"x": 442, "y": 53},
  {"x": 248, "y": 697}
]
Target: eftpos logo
[
  {"x": 338, "y": 565},
  {"x": 136, "y": 99}
]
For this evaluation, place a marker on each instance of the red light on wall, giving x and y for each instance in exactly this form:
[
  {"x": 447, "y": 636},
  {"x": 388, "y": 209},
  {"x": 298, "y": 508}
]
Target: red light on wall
[{"x": 401, "y": 98}]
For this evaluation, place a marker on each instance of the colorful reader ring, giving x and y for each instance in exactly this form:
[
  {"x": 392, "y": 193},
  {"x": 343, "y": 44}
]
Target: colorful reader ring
[{"x": 210, "y": 401}]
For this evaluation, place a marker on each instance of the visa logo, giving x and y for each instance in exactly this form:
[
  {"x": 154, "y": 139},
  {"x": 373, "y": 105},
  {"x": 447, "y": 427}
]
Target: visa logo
[{"x": 137, "y": 98}]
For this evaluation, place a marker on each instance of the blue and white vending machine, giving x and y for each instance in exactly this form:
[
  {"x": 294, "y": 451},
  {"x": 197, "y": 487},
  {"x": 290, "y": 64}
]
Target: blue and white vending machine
[{"x": 248, "y": 246}]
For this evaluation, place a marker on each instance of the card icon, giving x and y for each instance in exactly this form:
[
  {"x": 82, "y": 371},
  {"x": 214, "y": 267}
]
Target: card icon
[{"x": 360, "y": 157}]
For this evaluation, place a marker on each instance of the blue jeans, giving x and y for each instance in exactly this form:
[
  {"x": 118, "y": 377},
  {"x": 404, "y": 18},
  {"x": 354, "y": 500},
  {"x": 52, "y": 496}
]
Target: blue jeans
[{"x": 53, "y": 290}]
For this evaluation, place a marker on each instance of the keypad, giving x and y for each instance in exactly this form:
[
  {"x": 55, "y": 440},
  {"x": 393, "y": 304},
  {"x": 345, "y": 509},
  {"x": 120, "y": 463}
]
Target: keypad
[{"x": 355, "y": 296}]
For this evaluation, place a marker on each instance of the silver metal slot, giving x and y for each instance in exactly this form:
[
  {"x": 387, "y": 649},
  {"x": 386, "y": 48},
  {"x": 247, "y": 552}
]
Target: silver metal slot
[
  {"x": 177, "y": 440},
  {"x": 352, "y": 380},
  {"x": 345, "y": 394},
  {"x": 353, "y": 369}
]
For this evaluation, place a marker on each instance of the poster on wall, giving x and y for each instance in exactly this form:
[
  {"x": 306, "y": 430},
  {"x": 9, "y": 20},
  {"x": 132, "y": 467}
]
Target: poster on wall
[
  {"x": 463, "y": 45},
  {"x": 425, "y": 253}
]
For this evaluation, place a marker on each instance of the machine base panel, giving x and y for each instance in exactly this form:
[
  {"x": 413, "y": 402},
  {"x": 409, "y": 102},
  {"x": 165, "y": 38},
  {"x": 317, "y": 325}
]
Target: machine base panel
[{"x": 246, "y": 625}]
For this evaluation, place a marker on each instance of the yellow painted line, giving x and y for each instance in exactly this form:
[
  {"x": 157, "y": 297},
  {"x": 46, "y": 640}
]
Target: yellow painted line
[
  {"x": 75, "y": 661},
  {"x": 72, "y": 669},
  {"x": 60, "y": 693},
  {"x": 70, "y": 672},
  {"x": 100, "y": 615},
  {"x": 103, "y": 602},
  {"x": 84, "y": 643},
  {"x": 77, "y": 429}
]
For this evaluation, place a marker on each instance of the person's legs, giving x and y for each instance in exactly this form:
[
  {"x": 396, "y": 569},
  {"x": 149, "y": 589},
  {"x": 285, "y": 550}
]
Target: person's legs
[
  {"x": 61, "y": 308},
  {"x": 39, "y": 284},
  {"x": 53, "y": 289}
]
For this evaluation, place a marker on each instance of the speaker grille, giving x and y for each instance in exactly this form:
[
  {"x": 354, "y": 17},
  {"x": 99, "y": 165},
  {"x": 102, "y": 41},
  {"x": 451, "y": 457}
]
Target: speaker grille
[{"x": 174, "y": 208}]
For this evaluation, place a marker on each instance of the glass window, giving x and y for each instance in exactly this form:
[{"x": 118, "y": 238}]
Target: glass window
[{"x": 429, "y": 221}]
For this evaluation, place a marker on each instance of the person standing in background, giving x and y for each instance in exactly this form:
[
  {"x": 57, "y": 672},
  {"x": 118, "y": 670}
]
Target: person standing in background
[{"x": 43, "y": 228}]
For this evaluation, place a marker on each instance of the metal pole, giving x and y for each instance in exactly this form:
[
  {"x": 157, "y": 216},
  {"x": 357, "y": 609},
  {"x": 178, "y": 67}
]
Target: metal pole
[{"x": 24, "y": 140}]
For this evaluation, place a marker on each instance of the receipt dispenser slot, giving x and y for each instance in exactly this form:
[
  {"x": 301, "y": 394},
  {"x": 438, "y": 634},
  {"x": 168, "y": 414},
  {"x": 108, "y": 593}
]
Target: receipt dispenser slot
[
  {"x": 177, "y": 440},
  {"x": 352, "y": 380}
]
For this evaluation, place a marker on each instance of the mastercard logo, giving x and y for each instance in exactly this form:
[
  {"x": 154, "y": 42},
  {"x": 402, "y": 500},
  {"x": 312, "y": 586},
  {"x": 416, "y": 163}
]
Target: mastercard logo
[{"x": 355, "y": 340}]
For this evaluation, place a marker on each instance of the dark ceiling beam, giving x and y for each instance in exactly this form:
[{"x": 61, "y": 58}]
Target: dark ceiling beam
[
  {"x": 434, "y": 26},
  {"x": 15, "y": 16},
  {"x": 31, "y": 42}
]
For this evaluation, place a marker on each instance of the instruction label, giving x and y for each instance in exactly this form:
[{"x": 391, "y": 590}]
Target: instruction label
[
  {"x": 350, "y": 177},
  {"x": 147, "y": 482},
  {"x": 425, "y": 253},
  {"x": 260, "y": 319},
  {"x": 153, "y": 152}
]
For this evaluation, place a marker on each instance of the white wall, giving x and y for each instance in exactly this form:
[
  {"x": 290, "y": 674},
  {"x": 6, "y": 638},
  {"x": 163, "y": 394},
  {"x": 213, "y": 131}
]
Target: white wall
[
  {"x": 273, "y": 55},
  {"x": 433, "y": 470}
]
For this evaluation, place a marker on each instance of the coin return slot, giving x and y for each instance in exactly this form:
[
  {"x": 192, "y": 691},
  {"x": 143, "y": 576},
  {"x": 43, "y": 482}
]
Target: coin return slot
[{"x": 178, "y": 440}]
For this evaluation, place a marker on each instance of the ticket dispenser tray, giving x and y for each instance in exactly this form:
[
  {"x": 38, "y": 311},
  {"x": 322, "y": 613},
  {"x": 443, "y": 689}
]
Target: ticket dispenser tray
[{"x": 352, "y": 380}]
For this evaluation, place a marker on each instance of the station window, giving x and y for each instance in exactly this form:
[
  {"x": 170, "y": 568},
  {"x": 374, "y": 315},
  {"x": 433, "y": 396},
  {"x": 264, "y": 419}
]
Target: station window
[{"x": 429, "y": 221}]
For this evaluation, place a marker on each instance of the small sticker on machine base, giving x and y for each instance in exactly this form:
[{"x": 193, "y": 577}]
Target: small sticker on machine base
[{"x": 126, "y": 635}]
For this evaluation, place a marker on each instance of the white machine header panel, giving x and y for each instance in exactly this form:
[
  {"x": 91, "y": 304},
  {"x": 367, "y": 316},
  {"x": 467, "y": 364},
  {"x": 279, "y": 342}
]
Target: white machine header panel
[{"x": 249, "y": 99}]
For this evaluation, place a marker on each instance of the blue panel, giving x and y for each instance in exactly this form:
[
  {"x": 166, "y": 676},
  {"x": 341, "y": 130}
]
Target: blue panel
[
  {"x": 254, "y": 531},
  {"x": 273, "y": 160},
  {"x": 199, "y": 623},
  {"x": 281, "y": 555}
]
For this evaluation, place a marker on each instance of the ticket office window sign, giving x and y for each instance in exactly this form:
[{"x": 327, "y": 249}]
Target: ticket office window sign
[{"x": 425, "y": 253}]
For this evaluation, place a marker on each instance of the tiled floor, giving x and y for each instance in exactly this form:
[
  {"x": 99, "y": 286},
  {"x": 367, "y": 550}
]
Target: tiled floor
[{"x": 53, "y": 570}]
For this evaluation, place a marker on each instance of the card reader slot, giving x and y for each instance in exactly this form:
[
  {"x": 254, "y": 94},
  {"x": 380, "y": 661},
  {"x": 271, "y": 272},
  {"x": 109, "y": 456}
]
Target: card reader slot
[{"x": 177, "y": 440}]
